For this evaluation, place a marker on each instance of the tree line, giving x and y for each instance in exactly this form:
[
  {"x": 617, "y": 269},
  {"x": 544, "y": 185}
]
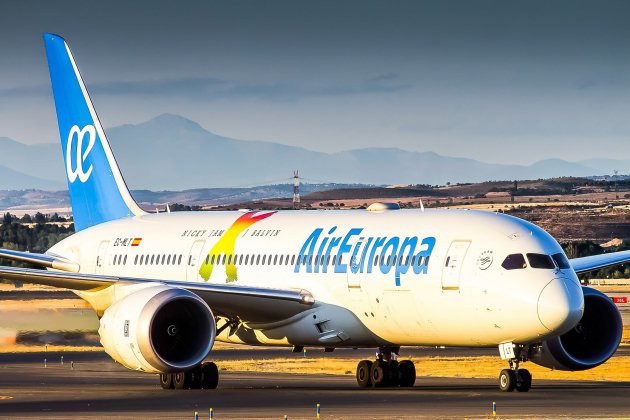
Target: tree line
[{"x": 32, "y": 233}]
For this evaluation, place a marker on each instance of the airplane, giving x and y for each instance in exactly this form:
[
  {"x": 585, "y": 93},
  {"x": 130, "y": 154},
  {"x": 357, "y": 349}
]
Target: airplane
[{"x": 166, "y": 286}]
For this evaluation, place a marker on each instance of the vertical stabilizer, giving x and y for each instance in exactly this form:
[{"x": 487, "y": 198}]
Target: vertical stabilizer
[{"x": 97, "y": 190}]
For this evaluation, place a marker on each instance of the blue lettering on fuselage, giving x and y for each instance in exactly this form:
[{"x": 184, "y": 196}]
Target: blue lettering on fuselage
[{"x": 397, "y": 254}]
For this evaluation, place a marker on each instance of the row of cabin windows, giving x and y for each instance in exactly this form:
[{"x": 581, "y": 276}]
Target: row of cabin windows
[
  {"x": 155, "y": 259},
  {"x": 250, "y": 259}
]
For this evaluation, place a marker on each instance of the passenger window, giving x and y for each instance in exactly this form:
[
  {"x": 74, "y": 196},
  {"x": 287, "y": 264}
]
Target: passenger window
[
  {"x": 229, "y": 260},
  {"x": 135, "y": 260},
  {"x": 540, "y": 261},
  {"x": 125, "y": 261},
  {"x": 141, "y": 259},
  {"x": 264, "y": 259},
  {"x": 514, "y": 262},
  {"x": 561, "y": 261},
  {"x": 168, "y": 260},
  {"x": 179, "y": 260},
  {"x": 257, "y": 259},
  {"x": 246, "y": 259},
  {"x": 293, "y": 259},
  {"x": 275, "y": 260}
]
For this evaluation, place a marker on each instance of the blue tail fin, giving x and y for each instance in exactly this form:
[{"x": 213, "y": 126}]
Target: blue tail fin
[{"x": 97, "y": 190}]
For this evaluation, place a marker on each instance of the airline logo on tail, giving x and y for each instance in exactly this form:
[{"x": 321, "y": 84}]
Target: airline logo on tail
[{"x": 76, "y": 156}]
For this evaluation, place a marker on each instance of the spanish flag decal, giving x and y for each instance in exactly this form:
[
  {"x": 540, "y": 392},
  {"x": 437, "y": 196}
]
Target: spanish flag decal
[{"x": 136, "y": 241}]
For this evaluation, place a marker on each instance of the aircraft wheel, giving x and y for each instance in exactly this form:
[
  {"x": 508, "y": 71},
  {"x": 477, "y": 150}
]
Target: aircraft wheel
[
  {"x": 523, "y": 380},
  {"x": 179, "y": 380},
  {"x": 194, "y": 378},
  {"x": 379, "y": 374},
  {"x": 364, "y": 372},
  {"x": 507, "y": 380},
  {"x": 166, "y": 381},
  {"x": 406, "y": 373},
  {"x": 209, "y": 375}
]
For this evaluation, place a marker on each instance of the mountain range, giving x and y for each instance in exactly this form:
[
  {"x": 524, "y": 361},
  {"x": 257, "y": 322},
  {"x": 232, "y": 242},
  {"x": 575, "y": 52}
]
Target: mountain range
[{"x": 170, "y": 152}]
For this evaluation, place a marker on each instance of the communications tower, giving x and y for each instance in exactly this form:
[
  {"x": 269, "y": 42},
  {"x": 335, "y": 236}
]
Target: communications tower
[{"x": 296, "y": 190}]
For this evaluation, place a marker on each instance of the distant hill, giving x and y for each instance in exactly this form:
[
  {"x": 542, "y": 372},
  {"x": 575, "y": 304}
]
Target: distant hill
[
  {"x": 14, "y": 180},
  {"x": 170, "y": 152}
]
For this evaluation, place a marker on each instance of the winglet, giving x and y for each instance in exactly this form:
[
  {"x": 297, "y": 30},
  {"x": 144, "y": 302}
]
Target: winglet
[{"x": 98, "y": 192}]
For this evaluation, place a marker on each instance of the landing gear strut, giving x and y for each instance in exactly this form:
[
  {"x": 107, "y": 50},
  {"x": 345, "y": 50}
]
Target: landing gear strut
[
  {"x": 203, "y": 376},
  {"x": 515, "y": 378},
  {"x": 386, "y": 370}
]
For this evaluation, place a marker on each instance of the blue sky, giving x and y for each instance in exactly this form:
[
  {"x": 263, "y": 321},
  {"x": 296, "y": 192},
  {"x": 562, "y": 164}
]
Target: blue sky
[{"x": 498, "y": 81}]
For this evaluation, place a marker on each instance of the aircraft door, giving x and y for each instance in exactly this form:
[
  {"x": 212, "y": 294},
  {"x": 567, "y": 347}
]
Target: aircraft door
[
  {"x": 101, "y": 257},
  {"x": 192, "y": 266},
  {"x": 452, "y": 268},
  {"x": 354, "y": 270}
]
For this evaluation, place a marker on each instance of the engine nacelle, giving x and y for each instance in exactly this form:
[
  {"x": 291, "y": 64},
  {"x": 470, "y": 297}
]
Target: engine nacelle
[
  {"x": 158, "y": 329},
  {"x": 590, "y": 343}
]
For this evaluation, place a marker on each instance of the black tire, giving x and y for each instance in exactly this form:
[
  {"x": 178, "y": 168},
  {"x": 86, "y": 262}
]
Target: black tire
[
  {"x": 193, "y": 378},
  {"x": 523, "y": 380},
  {"x": 391, "y": 373},
  {"x": 364, "y": 373},
  {"x": 406, "y": 373},
  {"x": 179, "y": 380},
  {"x": 209, "y": 375},
  {"x": 166, "y": 381},
  {"x": 507, "y": 380},
  {"x": 379, "y": 374}
]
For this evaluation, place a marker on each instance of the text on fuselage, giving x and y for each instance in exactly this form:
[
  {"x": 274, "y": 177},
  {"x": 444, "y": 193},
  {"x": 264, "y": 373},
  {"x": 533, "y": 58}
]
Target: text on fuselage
[{"x": 400, "y": 254}]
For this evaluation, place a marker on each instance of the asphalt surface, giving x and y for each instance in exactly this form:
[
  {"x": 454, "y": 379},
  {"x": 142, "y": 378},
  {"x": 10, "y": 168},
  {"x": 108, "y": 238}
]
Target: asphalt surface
[{"x": 100, "y": 388}]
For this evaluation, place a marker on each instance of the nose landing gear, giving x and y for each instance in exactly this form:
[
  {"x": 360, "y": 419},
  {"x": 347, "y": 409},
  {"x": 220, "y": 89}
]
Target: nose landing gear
[
  {"x": 386, "y": 371},
  {"x": 514, "y": 378}
]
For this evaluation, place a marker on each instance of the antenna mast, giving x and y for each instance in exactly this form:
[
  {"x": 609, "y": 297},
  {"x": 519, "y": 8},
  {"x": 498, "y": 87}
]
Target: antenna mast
[{"x": 296, "y": 190}]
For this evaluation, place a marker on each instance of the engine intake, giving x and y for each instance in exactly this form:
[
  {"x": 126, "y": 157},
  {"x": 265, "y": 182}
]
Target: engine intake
[
  {"x": 158, "y": 329},
  {"x": 590, "y": 343}
]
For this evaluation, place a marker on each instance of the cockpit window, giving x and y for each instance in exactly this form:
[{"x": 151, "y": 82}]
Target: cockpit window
[
  {"x": 514, "y": 262},
  {"x": 561, "y": 261},
  {"x": 540, "y": 261}
]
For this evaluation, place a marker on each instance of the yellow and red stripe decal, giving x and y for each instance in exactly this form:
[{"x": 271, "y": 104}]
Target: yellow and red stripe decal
[
  {"x": 225, "y": 245},
  {"x": 136, "y": 241}
]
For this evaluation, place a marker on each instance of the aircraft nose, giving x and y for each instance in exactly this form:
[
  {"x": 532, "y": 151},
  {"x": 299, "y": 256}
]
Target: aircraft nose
[{"x": 560, "y": 305}]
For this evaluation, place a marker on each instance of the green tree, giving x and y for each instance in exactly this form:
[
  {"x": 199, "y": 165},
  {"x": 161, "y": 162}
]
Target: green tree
[{"x": 7, "y": 219}]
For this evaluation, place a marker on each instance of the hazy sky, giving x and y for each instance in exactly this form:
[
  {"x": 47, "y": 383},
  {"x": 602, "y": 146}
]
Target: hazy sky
[{"x": 499, "y": 81}]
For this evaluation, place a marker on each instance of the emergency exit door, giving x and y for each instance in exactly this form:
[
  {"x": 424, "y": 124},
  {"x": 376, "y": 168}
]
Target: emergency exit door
[{"x": 451, "y": 271}]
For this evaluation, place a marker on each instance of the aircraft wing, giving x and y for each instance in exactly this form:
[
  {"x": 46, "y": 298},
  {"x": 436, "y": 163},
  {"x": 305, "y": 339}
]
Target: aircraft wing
[
  {"x": 595, "y": 262},
  {"x": 249, "y": 304},
  {"x": 42, "y": 260}
]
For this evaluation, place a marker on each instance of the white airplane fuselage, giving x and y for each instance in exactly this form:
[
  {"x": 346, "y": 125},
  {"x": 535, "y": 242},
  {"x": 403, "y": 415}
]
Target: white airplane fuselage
[{"x": 408, "y": 277}]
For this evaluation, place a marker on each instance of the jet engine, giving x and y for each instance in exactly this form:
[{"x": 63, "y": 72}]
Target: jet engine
[
  {"x": 158, "y": 329},
  {"x": 590, "y": 343}
]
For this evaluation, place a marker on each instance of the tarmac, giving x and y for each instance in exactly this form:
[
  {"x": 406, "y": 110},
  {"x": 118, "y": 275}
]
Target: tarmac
[{"x": 96, "y": 387}]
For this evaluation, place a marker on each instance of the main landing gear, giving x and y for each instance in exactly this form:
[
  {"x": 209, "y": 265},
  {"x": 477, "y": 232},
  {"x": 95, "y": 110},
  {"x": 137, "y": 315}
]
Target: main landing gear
[
  {"x": 514, "y": 378},
  {"x": 386, "y": 370},
  {"x": 203, "y": 376}
]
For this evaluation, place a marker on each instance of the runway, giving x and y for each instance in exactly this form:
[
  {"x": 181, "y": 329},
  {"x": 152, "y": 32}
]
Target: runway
[{"x": 97, "y": 387}]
